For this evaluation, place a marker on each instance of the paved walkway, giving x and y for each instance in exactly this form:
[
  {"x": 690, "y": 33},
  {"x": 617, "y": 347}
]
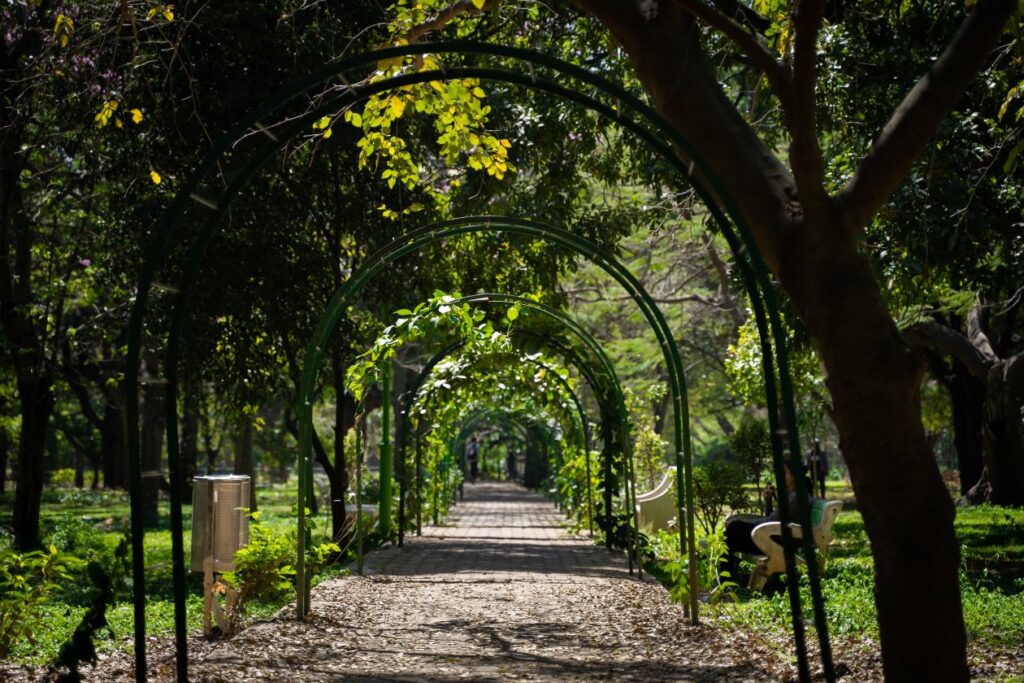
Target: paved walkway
[{"x": 500, "y": 593}]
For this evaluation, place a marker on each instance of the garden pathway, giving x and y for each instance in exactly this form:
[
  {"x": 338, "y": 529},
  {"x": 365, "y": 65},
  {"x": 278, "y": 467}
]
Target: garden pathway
[{"x": 501, "y": 592}]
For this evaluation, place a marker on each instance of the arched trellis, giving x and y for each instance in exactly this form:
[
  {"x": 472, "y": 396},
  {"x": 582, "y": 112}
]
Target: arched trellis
[
  {"x": 527, "y": 423},
  {"x": 574, "y": 358},
  {"x": 417, "y": 239},
  {"x": 409, "y": 397},
  {"x": 661, "y": 137},
  {"x": 314, "y": 355}
]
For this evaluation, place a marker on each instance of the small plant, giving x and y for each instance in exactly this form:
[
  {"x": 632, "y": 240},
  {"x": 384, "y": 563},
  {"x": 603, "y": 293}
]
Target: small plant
[
  {"x": 63, "y": 478},
  {"x": 26, "y": 581},
  {"x": 265, "y": 570},
  {"x": 713, "y": 548}
]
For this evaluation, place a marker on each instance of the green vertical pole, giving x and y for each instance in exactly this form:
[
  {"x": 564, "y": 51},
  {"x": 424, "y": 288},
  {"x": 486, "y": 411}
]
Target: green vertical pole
[
  {"x": 359, "y": 488},
  {"x": 419, "y": 483},
  {"x": 386, "y": 456}
]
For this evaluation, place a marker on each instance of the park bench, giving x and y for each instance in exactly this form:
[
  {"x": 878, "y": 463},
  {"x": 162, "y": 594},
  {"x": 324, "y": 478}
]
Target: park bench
[
  {"x": 658, "y": 506},
  {"x": 773, "y": 561}
]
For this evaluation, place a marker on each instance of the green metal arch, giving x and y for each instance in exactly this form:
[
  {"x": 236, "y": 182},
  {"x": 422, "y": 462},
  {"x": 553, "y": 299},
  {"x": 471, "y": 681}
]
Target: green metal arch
[
  {"x": 525, "y": 422},
  {"x": 329, "y": 320},
  {"x": 588, "y": 374},
  {"x": 574, "y": 358},
  {"x": 426, "y": 235},
  {"x": 713, "y": 194},
  {"x": 408, "y": 399}
]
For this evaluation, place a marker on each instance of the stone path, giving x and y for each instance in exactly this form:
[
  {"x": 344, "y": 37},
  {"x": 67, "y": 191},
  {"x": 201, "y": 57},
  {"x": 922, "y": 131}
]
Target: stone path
[{"x": 500, "y": 593}]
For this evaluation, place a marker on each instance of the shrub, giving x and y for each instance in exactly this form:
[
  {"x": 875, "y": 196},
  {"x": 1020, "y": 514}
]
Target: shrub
[
  {"x": 26, "y": 581},
  {"x": 264, "y": 569},
  {"x": 63, "y": 478},
  {"x": 718, "y": 484},
  {"x": 751, "y": 442}
]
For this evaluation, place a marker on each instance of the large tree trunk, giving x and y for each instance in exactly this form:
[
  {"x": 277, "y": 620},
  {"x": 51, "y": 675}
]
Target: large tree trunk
[
  {"x": 114, "y": 438},
  {"x": 810, "y": 242},
  {"x": 1003, "y": 450},
  {"x": 967, "y": 395},
  {"x": 37, "y": 401},
  {"x": 874, "y": 380}
]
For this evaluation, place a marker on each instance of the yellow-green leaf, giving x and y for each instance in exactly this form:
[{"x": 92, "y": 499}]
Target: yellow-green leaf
[
  {"x": 106, "y": 111},
  {"x": 397, "y": 106},
  {"x": 155, "y": 177},
  {"x": 479, "y": 4},
  {"x": 136, "y": 116}
]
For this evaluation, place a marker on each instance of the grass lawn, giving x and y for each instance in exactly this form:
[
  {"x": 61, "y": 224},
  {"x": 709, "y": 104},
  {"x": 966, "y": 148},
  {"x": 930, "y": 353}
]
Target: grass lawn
[
  {"x": 991, "y": 581},
  {"x": 90, "y": 524}
]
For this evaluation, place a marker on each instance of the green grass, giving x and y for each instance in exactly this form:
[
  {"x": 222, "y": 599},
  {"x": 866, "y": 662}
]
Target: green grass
[
  {"x": 90, "y": 524},
  {"x": 991, "y": 581}
]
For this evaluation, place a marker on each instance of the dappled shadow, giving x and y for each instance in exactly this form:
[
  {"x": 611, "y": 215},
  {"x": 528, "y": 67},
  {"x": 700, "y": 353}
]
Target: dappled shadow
[{"x": 454, "y": 556}]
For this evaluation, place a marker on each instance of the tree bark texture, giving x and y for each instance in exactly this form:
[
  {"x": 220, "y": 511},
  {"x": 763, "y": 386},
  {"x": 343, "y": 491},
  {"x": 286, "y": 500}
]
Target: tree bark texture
[
  {"x": 811, "y": 243},
  {"x": 37, "y": 402}
]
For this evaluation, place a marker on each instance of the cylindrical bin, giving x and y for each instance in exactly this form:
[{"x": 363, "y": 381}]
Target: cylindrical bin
[{"x": 220, "y": 519}]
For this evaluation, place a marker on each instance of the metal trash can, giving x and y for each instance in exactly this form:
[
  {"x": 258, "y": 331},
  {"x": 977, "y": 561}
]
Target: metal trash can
[{"x": 220, "y": 519}]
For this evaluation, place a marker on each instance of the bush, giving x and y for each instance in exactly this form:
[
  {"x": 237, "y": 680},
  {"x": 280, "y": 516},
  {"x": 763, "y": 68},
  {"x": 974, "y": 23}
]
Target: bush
[
  {"x": 718, "y": 484},
  {"x": 264, "y": 571},
  {"x": 63, "y": 478},
  {"x": 751, "y": 442},
  {"x": 26, "y": 581}
]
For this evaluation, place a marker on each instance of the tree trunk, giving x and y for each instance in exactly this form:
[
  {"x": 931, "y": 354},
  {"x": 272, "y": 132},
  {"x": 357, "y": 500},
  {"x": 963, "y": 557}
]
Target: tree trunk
[
  {"x": 114, "y": 439},
  {"x": 189, "y": 439},
  {"x": 79, "y": 469},
  {"x": 37, "y": 401},
  {"x": 344, "y": 419},
  {"x": 243, "y": 456},
  {"x": 811, "y": 244},
  {"x": 967, "y": 394},
  {"x": 153, "y": 423},
  {"x": 874, "y": 380},
  {"x": 5, "y": 445},
  {"x": 1003, "y": 450}
]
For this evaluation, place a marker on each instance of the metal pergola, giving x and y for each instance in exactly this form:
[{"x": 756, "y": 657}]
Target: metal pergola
[{"x": 245, "y": 150}]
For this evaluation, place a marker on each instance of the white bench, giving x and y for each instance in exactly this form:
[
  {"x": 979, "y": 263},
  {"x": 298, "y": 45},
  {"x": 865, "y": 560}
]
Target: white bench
[
  {"x": 658, "y": 506},
  {"x": 823, "y": 516}
]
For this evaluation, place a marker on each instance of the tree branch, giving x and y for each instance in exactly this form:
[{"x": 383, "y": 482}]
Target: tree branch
[
  {"x": 976, "y": 334},
  {"x": 1013, "y": 373},
  {"x": 743, "y": 14},
  {"x": 776, "y": 73},
  {"x": 445, "y": 17},
  {"x": 804, "y": 150},
  {"x": 947, "y": 341},
  {"x": 917, "y": 118}
]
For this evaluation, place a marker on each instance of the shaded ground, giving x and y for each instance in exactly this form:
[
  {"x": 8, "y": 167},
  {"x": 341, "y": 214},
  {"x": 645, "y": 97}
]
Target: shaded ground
[{"x": 501, "y": 593}]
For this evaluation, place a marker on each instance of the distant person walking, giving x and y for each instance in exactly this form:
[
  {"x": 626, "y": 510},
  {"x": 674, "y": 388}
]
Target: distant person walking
[
  {"x": 817, "y": 465},
  {"x": 473, "y": 459}
]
